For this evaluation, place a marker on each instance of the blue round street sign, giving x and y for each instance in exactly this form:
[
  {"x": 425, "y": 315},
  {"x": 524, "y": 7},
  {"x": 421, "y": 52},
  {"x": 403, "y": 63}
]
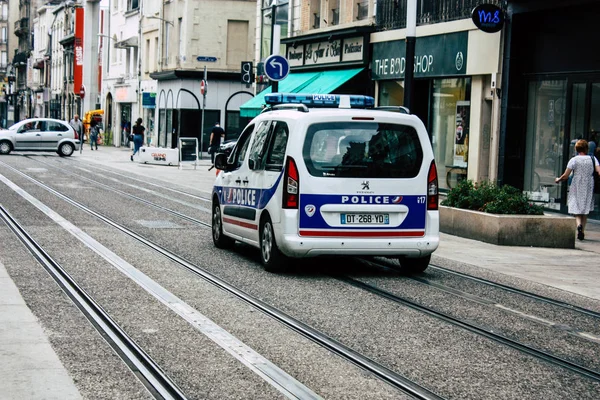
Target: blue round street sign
[{"x": 276, "y": 67}]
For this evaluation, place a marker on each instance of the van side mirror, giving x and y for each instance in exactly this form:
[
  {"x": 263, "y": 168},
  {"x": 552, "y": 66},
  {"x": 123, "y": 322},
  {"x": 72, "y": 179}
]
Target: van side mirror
[{"x": 221, "y": 161}]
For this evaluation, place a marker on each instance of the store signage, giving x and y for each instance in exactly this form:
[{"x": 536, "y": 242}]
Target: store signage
[
  {"x": 326, "y": 52},
  {"x": 440, "y": 55},
  {"x": 78, "y": 47},
  {"x": 148, "y": 100},
  {"x": 488, "y": 18}
]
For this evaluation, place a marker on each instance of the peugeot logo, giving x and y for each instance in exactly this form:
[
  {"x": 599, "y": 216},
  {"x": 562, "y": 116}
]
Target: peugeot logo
[{"x": 365, "y": 185}]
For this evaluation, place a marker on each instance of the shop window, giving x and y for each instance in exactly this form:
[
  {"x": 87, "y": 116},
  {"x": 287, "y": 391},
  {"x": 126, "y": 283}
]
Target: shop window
[
  {"x": 544, "y": 139},
  {"x": 450, "y": 116}
]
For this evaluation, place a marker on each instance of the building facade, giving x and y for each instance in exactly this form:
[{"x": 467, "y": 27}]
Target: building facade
[
  {"x": 196, "y": 41},
  {"x": 326, "y": 43},
  {"x": 120, "y": 34}
]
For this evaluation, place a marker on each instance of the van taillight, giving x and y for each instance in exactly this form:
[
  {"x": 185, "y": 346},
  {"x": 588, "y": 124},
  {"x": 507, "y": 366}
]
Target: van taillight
[
  {"x": 432, "y": 188},
  {"x": 291, "y": 184}
]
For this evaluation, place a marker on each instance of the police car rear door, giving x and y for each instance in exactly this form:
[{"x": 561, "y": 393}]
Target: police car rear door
[{"x": 368, "y": 177}]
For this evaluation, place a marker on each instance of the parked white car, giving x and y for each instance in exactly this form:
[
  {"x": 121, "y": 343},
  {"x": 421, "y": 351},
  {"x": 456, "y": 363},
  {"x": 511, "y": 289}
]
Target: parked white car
[{"x": 40, "y": 134}]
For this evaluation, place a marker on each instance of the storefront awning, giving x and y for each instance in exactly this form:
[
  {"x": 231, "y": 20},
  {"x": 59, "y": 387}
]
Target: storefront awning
[
  {"x": 130, "y": 42},
  {"x": 322, "y": 82}
]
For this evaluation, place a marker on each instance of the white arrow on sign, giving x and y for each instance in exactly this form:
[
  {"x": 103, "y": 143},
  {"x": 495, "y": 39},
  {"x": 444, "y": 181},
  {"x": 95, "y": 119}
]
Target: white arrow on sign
[{"x": 274, "y": 63}]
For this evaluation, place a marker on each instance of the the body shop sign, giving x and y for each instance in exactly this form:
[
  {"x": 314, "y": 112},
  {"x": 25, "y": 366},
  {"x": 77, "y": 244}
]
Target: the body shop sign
[
  {"x": 440, "y": 55},
  {"x": 78, "y": 57},
  {"x": 326, "y": 52}
]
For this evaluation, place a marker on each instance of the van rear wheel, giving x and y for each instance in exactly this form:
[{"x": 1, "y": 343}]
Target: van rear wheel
[
  {"x": 271, "y": 257},
  {"x": 414, "y": 265}
]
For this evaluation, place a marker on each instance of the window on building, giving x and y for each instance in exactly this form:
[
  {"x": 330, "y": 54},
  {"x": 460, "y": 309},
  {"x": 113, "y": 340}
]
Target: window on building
[
  {"x": 546, "y": 123},
  {"x": 281, "y": 20},
  {"x": 147, "y": 58},
  {"x": 167, "y": 40},
  {"x": 132, "y": 5},
  {"x": 155, "y": 58},
  {"x": 3, "y": 59},
  {"x": 334, "y": 12},
  {"x": 362, "y": 9},
  {"x": 450, "y": 115},
  {"x": 113, "y": 53},
  {"x": 315, "y": 14}
]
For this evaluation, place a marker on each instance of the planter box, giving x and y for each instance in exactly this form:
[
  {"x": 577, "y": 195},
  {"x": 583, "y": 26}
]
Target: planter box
[{"x": 509, "y": 230}]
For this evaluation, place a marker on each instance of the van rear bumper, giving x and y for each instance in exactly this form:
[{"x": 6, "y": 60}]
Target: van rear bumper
[{"x": 299, "y": 246}]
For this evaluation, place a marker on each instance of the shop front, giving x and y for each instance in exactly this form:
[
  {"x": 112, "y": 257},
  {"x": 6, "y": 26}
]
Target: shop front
[
  {"x": 453, "y": 95},
  {"x": 182, "y": 111},
  {"x": 553, "y": 95}
]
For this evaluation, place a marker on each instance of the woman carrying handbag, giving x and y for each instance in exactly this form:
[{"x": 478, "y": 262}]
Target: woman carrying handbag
[{"x": 581, "y": 192}]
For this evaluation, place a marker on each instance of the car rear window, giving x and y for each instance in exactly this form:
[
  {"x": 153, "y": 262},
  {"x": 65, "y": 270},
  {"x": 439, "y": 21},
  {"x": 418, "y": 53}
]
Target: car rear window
[{"x": 362, "y": 150}]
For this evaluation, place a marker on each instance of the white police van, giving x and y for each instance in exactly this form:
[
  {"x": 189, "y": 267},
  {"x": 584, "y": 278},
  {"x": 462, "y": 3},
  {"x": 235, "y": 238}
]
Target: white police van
[{"x": 329, "y": 175}]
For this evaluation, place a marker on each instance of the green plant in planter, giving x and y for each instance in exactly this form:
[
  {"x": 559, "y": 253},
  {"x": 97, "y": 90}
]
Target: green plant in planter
[{"x": 488, "y": 197}]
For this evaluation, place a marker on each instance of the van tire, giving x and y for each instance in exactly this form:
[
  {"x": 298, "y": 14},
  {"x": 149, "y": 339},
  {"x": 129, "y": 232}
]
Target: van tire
[
  {"x": 272, "y": 258},
  {"x": 219, "y": 239},
  {"x": 414, "y": 265},
  {"x": 5, "y": 147}
]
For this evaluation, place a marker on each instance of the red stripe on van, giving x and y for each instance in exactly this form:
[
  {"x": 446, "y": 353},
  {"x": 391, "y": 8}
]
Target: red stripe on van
[
  {"x": 362, "y": 234},
  {"x": 240, "y": 223}
]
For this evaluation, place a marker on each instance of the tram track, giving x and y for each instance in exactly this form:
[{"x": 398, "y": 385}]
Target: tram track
[
  {"x": 380, "y": 371},
  {"x": 539, "y": 354},
  {"x": 143, "y": 366},
  {"x": 545, "y": 356},
  {"x": 533, "y": 296}
]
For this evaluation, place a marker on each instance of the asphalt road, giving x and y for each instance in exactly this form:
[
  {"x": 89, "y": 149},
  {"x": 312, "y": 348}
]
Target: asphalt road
[{"x": 445, "y": 358}]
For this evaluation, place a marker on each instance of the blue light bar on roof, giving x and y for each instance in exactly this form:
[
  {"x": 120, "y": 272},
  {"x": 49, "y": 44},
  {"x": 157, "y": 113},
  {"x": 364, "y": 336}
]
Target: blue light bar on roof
[{"x": 320, "y": 100}]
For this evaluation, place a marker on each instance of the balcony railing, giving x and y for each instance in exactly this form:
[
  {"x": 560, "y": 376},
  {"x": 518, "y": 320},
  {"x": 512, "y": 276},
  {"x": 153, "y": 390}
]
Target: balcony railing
[
  {"x": 22, "y": 27},
  {"x": 363, "y": 10},
  {"x": 391, "y": 14}
]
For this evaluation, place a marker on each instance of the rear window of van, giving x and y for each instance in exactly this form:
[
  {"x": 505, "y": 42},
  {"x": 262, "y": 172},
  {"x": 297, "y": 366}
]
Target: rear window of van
[{"x": 362, "y": 150}]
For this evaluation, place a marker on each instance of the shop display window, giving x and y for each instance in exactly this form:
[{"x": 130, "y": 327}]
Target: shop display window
[
  {"x": 450, "y": 116},
  {"x": 545, "y": 138}
]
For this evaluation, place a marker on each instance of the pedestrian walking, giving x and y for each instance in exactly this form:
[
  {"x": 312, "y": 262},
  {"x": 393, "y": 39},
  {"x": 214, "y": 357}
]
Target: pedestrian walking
[
  {"x": 77, "y": 125},
  {"x": 217, "y": 137},
  {"x": 138, "y": 136},
  {"x": 94, "y": 132},
  {"x": 581, "y": 192}
]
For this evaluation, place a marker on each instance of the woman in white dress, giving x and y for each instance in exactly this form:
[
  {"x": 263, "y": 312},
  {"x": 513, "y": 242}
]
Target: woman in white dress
[{"x": 581, "y": 193}]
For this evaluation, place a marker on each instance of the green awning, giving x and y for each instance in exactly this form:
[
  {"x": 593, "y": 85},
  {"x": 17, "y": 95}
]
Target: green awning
[{"x": 323, "y": 82}]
